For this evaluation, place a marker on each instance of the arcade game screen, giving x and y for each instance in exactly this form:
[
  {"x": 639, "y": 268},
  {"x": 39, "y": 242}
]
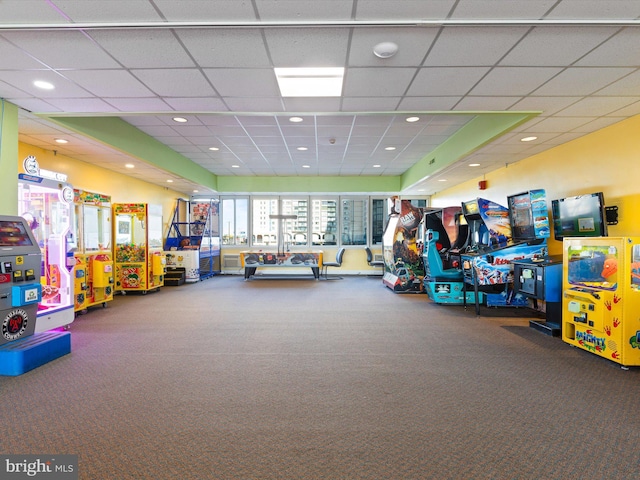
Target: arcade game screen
[
  {"x": 13, "y": 234},
  {"x": 579, "y": 216}
]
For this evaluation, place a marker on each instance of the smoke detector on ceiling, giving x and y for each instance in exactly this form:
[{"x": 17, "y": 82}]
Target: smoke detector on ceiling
[{"x": 385, "y": 50}]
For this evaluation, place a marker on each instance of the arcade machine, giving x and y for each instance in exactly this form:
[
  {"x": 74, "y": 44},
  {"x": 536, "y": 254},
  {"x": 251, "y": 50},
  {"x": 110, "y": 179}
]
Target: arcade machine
[
  {"x": 47, "y": 205},
  {"x": 192, "y": 245},
  {"x": 445, "y": 235},
  {"x": 20, "y": 288},
  {"x": 21, "y": 348},
  {"x": 402, "y": 253},
  {"x": 487, "y": 261},
  {"x": 94, "y": 279},
  {"x": 601, "y": 283},
  {"x": 537, "y": 278},
  {"x": 137, "y": 238}
]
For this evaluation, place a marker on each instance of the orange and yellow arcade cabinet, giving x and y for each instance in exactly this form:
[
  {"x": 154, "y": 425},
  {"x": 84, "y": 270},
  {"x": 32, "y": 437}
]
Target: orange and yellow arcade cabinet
[
  {"x": 601, "y": 299},
  {"x": 137, "y": 238},
  {"x": 94, "y": 272}
]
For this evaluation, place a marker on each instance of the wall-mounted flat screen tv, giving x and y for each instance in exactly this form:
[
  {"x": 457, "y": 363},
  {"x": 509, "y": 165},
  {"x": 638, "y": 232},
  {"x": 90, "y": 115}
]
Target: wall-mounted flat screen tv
[{"x": 579, "y": 216}]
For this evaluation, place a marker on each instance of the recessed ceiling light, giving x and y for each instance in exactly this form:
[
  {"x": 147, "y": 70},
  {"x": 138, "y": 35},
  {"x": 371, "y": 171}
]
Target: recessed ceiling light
[
  {"x": 528, "y": 139},
  {"x": 179, "y": 119},
  {"x": 310, "y": 82},
  {"x": 442, "y": 180},
  {"x": 214, "y": 149},
  {"x": 389, "y": 148},
  {"x": 195, "y": 191},
  {"x": 411, "y": 119},
  {"x": 302, "y": 149},
  {"x": 235, "y": 166},
  {"x": 169, "y": 181},
  {"x": 376, "y": 166},
  {"x": 385, "y": 50},
  {"x": 295, "y": 119},
  {"x": 306, "y": 166},
  {"x": 474, "y": 164},
  {"x": 129, "y": 165},
  {"x": 43, "y": 85},
  {"x": 61, "y": 140}
]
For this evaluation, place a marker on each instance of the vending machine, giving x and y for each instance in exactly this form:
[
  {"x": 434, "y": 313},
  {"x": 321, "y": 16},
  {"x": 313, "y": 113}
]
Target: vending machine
[
  {"x": 94, "y": 271},
  {"x": 601, "y": 297},
  {"x": 20, "y": 288},
  {"x": 137, "y": 238},
  {"x": 47, "y": 206}
]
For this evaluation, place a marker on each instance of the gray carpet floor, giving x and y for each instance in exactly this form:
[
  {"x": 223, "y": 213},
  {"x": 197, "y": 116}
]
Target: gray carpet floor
[{"x": 305, "y": 379}]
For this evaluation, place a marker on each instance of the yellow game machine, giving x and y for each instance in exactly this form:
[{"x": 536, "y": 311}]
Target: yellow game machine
[
  {"x": 601, "y": 299},
  {"x": 137, "y": 237},
  {"x": 94, "y": 271}
]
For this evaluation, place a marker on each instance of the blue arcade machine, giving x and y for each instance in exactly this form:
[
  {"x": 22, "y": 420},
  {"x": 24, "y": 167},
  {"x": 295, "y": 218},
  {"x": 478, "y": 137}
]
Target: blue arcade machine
[
  {"x": 499, "y": 236},
  {"x": 445, "y": 234}
]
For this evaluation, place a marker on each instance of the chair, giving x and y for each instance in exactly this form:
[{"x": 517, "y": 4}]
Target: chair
[
  {"x": 434, "y": 270},
  {"x": 371, "y": 261},
  {"x": 337, "y": 263}
]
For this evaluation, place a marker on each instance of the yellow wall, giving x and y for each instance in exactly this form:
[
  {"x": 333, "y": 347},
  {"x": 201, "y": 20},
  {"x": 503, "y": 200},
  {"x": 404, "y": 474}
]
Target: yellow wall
[
  {"x": 121, "y": 188},
  {"x": 606, "y": 161}
]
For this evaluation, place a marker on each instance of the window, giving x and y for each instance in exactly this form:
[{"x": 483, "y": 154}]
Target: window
[
  {"x": 354, "y": 221},
  {"x": 379, "y": 216},
  {"x": 345, "y": 220},
  {"x": 264, "y": 230},
  {"x": 235, "y": 221},
  {"x": 295, "y": 230},
  {"x": 324, "y": 230}
]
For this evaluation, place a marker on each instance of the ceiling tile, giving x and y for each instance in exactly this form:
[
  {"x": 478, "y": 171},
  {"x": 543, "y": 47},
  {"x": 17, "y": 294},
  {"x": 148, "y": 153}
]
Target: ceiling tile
[
  {"x": 54, "y": 49},
  {"x": 232, "y": 48},
  {"x": 539, "y": 47},
  {"x": 377, "y": 82},
  {"x": 473, "y": 46},
  {"x": 175, "y": 82},
  {"x": 582, "y": 81},
  {"x": 514, "y": 81},
  {"x": 454, "y": 81}
]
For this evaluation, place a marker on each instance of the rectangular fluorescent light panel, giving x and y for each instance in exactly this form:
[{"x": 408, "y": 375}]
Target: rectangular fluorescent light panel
[{"x": 310, "y": 82}]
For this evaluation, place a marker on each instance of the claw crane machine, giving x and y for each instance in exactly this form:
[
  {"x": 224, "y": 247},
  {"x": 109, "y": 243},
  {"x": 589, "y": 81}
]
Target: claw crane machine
[
  {"x": 137, "y": 237},
  {"x": 45, "y": 201},
  {"x": 94, "y": 275}
]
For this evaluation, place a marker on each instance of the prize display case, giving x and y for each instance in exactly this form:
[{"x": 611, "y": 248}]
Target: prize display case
[
  {"x": 47, "y": 206},
  {"x": 137, "y": 239},
  {"x": 94, "y": 272},
  {"x": 601, "y": 299}
]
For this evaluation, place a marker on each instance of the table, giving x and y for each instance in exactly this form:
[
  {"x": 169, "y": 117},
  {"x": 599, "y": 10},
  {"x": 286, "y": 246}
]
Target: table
[{"x": 252, "y": 260}]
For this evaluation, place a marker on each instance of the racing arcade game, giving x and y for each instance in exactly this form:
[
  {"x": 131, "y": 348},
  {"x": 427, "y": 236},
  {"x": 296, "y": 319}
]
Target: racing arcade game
[
  {"x": 445, "y": 234},
  {"x": 487, "y": 261}
]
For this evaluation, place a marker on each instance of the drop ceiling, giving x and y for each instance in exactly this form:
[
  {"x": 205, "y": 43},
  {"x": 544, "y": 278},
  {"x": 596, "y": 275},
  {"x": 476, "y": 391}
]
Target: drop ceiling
[{"x": 562, "y": 68}]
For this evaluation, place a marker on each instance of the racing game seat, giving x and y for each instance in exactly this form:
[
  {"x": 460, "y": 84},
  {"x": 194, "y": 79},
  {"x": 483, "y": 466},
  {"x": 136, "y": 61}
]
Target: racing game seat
[{"x": 433, "y": 266}]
